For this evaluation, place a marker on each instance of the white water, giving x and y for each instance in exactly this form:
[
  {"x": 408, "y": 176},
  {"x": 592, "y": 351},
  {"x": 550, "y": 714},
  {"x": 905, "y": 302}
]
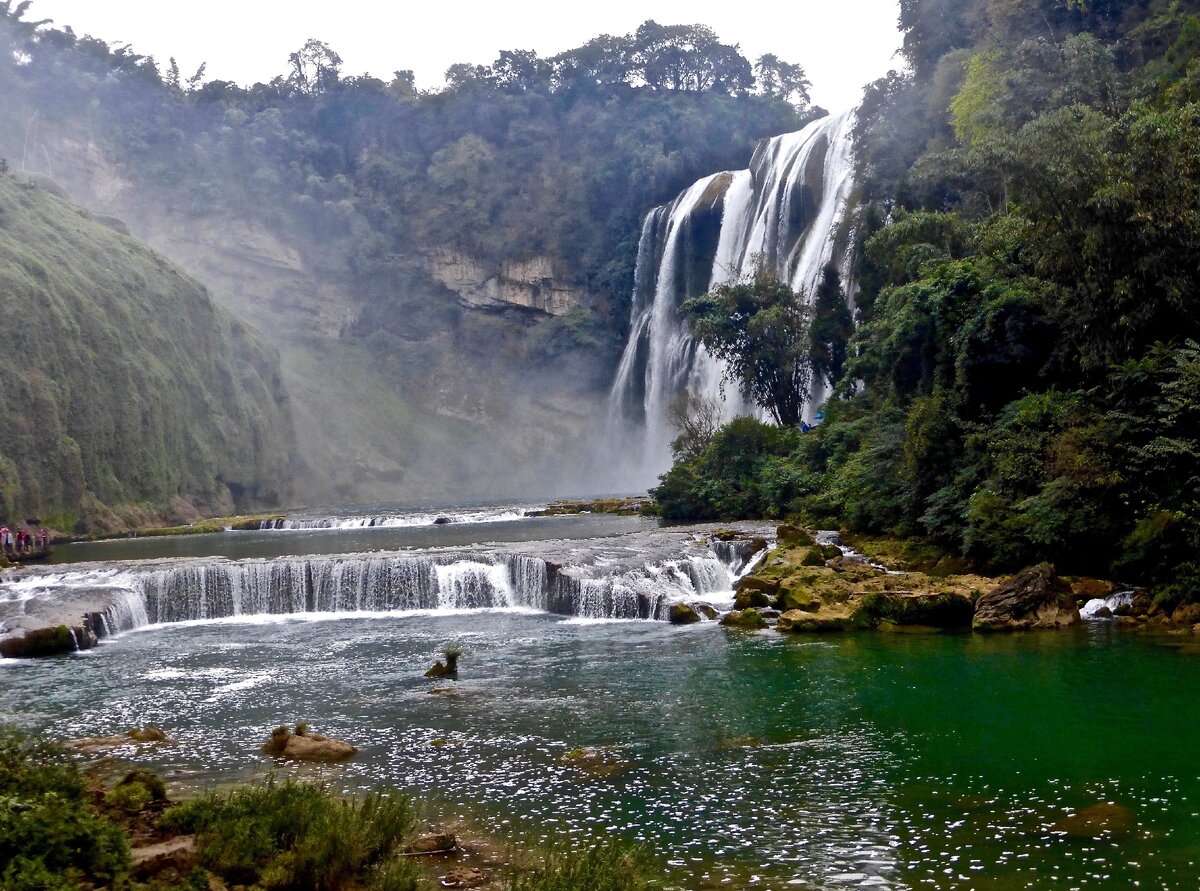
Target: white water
[
  {"x": 1091, "y": 610},
  {"x": 787, "y": 210},
  {"x": 604, "y": 585},
  {"x": 400, "y": 520}
]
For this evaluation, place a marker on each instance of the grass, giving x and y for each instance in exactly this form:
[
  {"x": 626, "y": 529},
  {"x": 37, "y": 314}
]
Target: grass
[
  {"x": 298, "y": 835},
  {"x": 611, "y": 866}
]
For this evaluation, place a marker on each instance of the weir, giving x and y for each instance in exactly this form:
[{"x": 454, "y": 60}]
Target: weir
[
  {"x": 785, "y": 211},
  {"x": 594, "y": 580}
]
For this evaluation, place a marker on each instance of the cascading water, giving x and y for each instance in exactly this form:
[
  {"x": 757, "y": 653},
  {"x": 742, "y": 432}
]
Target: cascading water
[
  {"x": 606, "y": 583},
  {"x": 785, "y": 211}
]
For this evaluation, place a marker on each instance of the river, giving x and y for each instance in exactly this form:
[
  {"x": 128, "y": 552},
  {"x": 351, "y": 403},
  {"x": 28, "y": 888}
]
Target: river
[{"x": 739, "y": 760}]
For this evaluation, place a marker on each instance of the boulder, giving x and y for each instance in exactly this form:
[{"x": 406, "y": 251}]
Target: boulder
[
  {"x": 707, "y": 610},
  {"x": 797, "y": 598},
  {"x": 825, "y": 620},
  {"x": 136, "y": 736},
  {"x": 1188, "y": 614},
  {"x": 54, "y": 640},
  {"x": 433, "y": 843},
  {"x": 683, "y": 614},
  {"x": 949, "y": 565},
  {"x": 1034, "y": 598},
  {"x": 751, "y": 597},
  {"x": 439, "y": 670},
  {"x": 744, "y": 618},
  {"x": 597, "y": 761},
  {"x": 790, "y": 536},
  {"x": 177, "y": 854},
  {"x": 1091, "y": 589},
  {"x": 442, "y": 521},
  {"x": 464, "y": 877},
  {"x": 306, "y": 746}
]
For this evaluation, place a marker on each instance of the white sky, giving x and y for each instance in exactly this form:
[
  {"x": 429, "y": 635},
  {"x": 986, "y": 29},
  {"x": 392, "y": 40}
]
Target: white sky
[{"x": 843, "y": 44}]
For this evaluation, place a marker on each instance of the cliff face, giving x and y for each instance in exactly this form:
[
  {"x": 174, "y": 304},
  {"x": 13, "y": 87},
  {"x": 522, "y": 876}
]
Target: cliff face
[
  {"x": 427, "y": 387},
  {"x": 126, "y": 392}
]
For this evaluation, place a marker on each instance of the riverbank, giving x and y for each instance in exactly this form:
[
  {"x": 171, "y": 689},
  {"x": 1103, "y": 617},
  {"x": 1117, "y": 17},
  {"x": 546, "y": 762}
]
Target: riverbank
[
  {"x": 102, "y": 824},
  {"x": 816, "y": 582}
]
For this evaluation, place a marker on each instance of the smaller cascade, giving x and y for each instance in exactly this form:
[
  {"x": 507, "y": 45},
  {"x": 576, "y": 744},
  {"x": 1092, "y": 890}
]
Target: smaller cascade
[{"x": 593, "y": 579}]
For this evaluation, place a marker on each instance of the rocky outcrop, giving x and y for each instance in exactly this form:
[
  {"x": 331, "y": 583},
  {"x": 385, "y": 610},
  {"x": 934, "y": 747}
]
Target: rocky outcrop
[
  {"x": 815, "y": 588},
  {"x": 303, "y": 745},
  {"x": 1035, "y": 598},
  {"x": 534, "y": 284}
]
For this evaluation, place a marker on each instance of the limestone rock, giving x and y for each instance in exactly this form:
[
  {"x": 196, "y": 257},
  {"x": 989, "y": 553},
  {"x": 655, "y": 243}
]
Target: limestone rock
[
  {"x": 744, "y": 618},
  {"x": 433, "y": 843},
  {"x": 306, "y": 746},
  {"x": 1035, "y": 598},
  {"x": 683, "y": 614},
  {"x": 464, "y": 877},
  {"x": 790, "y": 536},
  {"x": 707, "y": 610}
]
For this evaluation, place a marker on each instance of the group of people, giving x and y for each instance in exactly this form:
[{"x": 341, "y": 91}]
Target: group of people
[{"x": 22, "y": 541}]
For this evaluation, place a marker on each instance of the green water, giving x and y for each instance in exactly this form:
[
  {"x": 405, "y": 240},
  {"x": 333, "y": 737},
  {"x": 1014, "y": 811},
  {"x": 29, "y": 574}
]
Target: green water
[{"x": 753, "y": 760}]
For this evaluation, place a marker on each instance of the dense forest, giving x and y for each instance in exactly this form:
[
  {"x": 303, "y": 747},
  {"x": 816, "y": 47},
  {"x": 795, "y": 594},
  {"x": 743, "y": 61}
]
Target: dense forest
[
  {"x": 1024, "y": 380},
  {"x": 330, "y": 210}
]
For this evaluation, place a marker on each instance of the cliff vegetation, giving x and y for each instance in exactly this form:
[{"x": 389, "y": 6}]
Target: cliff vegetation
[
  {"x": 1024, "y": 381},
  {"x": 127, "y": 394}
]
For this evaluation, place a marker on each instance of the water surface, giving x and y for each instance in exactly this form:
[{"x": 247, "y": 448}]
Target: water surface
[{"x": 751, "y": 760}]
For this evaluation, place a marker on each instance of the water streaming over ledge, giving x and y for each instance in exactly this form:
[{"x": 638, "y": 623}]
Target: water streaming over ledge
[
  {"x": 787, "y": 209},
  {"x": 591, "y": 579}
]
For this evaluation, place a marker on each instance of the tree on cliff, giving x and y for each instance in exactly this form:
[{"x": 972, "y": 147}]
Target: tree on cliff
[{"x": 759, "y": 328}]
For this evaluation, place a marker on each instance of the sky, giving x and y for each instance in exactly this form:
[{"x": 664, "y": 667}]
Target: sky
[{"x": 843, "y": 45}]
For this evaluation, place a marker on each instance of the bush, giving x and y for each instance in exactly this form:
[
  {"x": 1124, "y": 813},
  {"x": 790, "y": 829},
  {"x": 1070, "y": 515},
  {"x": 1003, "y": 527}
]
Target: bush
[
  {"x": 296, "y": 835},
  {"x": 610, "y": 867},
  {"x": 49, "y": 837}
]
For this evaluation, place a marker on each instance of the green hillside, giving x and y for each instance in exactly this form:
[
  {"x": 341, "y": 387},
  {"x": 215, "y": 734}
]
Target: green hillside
[{"x": 124, "y": 390}]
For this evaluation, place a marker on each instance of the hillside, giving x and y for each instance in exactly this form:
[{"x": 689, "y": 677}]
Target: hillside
[
  {"x": 127, "y": 394},
  {"x": 446, "y": 275}
]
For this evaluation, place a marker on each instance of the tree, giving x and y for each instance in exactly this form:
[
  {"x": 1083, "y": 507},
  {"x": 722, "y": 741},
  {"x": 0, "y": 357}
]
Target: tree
[
  {"x": 758, "y": 327},
  {"x": 697, "y": 419},
  {"x": 315, "y": 67},
  {"x": 832, "y": 326},
  {"x": 782, "y": 80}
]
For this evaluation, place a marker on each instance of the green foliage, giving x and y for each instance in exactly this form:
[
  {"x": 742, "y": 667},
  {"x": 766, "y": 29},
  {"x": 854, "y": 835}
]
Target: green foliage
[
  {"x": 164, "y": 395},
  {"x": 49, "y": 837},
  {"x": 297, "y": 835},
  {"x": 759, "y": 328},
  {"x": 831, "y": 327},
  {"x": 610, "y": 866},
  {"x": 1025, "y": 381}
]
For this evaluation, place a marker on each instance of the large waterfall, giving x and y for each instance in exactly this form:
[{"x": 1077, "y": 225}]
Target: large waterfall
[{"x": 786, "y": 210}]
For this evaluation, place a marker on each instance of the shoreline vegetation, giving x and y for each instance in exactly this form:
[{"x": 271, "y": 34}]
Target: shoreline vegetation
[{"x": 65, "y": 826}]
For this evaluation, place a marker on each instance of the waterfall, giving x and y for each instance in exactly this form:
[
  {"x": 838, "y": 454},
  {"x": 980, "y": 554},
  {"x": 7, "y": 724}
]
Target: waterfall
[
  {"x": 598, "y": 585},
  {"x": 787, "y": 209}
]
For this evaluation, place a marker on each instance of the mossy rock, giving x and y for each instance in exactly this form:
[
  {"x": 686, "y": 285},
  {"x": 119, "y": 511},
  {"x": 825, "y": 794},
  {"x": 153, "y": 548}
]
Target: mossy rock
[
  {"x": 751, "y": 598},
  {"x": 813, "y": 557},
  {"x": 55, "y": 640},
  {"x": 790, "y": 536},
  {"x": 746, "y": 618},
  {"x": 683, "y": 614},
  {"x": 797, "y": 599}
]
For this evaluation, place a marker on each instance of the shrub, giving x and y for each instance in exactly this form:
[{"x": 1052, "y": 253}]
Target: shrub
[
  {"x": 611, "y": 866},
  {"x": 295, "y": 835},
  {"x": 49, "y": 837}
]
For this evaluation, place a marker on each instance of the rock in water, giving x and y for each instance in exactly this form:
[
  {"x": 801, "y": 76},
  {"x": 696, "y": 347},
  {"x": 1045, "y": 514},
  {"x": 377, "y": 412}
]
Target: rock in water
[
  {"x": 683, "y": 614},
  {"x": 305, "y": 746},
  {"x": 1104, "y": 820},
  {"x": 438, "y": 670},
  {"x": 434, "y": 843},
  {"x": 1034, "y": 598}
]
